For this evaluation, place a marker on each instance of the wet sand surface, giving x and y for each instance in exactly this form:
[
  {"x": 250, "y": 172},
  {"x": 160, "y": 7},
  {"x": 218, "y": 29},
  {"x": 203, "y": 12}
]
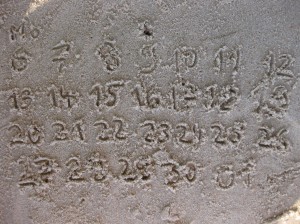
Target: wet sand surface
[{"x": 136, "y": 111}]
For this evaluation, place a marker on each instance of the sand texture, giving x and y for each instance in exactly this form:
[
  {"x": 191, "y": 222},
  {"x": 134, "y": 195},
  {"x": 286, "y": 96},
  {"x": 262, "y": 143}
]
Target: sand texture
[{"x": 149, "y": 111}]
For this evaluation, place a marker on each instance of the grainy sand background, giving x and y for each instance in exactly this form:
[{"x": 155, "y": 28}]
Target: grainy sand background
[{"x": 165, "y": 111}]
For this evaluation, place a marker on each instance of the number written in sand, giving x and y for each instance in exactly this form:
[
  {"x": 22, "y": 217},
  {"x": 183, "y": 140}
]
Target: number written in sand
[
  {"x": 36, "y": 171},
  {"x": 225, "y": 176},
  {"x": 176, "y": 173},
  {"x": 231, "y": 135},
  {"x": 30, "y": 135},
  {"x": 147, "y": 95},
  {"x": 61, "y": 53},
  {"x": 20, "y": 60},
  {"x": 110, "y": 55},
  {"x": 227, "y": 60},
  {"x": 189, "y": 134},
  {"x": 107, "y": 95},
  {"x": 156, "y": 132},
  {"x": 61, "y": 98},
  {"x": 148, "y": 52},
  {"x": 92, "y": 168},
  {"x": 273, "y": 140},
  {"x": 63, "y": 133},
  {"x": 21, "y": 99},
  {"x": 185, "y": 58},
  {"x": 114, "y": 131},
  {"x": 140, "y": 169}
]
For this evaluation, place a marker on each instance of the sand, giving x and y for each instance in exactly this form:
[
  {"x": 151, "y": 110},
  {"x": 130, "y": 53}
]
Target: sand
[{"x": 163, "y": 111}]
